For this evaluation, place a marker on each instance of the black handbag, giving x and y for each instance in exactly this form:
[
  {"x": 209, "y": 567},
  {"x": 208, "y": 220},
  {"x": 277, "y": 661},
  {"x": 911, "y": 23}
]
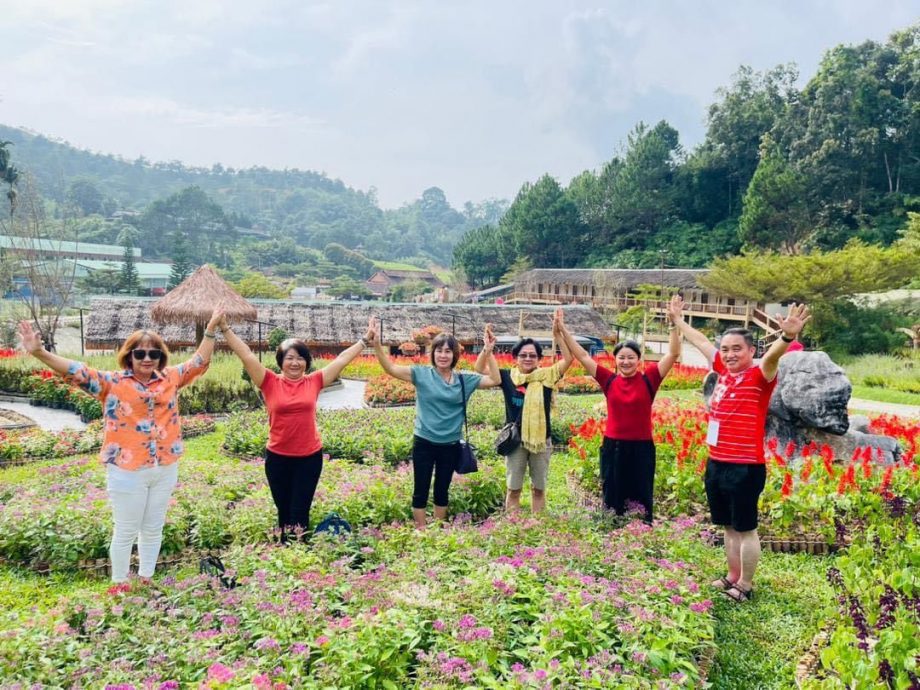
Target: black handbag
[
  {"x": 508, "y": 439},
  {"x": 212, "y": 566},
  {"x": 466, "y": 461}
]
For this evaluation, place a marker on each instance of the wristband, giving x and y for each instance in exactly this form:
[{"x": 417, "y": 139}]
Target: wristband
[
  {"x": 207, "y": 334},
  {"x": 363, "y": 342},
  {"x": 786, "y": 339}
]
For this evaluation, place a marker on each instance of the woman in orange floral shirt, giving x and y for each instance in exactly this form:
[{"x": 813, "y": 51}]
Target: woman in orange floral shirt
[{"x": 142, "y": 438}]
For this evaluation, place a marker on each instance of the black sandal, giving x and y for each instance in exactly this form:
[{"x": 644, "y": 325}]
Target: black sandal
[
  {"x": 742, "y": 595},
  {"x": 724, "y": 584}
]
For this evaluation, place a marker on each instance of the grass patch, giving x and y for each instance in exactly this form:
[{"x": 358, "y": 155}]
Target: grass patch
[
  {"x": 761, "y": 641},
  {"x": 396, "y": 266},
  {"x": 885, "y": 395}
]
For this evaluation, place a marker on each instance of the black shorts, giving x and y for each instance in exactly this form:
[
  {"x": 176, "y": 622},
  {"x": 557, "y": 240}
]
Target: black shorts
[{"x": 733, "y": 490}]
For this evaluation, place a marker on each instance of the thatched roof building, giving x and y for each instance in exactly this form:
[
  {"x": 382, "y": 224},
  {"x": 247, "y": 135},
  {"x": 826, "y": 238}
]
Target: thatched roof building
[
  {"x": 328, "y": 326},
  {"x": 195, "y": 298}
]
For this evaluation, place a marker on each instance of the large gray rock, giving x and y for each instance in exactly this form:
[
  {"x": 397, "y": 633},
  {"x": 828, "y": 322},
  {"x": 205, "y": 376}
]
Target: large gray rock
[
  {"x": 812, "y": 392},
  {"x": 810, "y": 404}
]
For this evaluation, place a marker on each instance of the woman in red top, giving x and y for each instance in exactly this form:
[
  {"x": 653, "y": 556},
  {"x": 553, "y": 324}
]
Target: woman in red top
[
  {"x": 628, "y": 452},
  {"x": 294, "y": 453}
]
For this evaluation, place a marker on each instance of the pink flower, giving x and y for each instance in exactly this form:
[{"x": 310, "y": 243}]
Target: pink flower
[
  {"x": 701, "y": 606},
  {"x": 438, "y": 625},
  {"x": 220, "y": 673},
  {"x": 321, "y": 640},
  {"x": 467, "y": 621}
]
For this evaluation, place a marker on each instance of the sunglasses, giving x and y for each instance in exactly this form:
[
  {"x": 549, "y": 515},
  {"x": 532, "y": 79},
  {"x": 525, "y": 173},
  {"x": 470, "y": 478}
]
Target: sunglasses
[
  {"x": 528, "y": 355},
  {"x": 155, "y": 355}
]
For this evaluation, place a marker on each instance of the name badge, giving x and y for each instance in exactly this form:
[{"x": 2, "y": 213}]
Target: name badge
[{"x": 712, "y": 433}]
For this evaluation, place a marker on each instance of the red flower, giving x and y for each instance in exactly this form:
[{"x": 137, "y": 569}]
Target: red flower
[
  {"x": 787, "y": 485},
  {"x": 790, "y": 450},
  {"x": 807, "y": 468}
]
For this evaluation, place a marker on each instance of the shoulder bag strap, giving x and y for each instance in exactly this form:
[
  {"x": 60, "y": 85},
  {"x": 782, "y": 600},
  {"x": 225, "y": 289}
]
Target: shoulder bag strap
[{"x": 466, "y": 430}]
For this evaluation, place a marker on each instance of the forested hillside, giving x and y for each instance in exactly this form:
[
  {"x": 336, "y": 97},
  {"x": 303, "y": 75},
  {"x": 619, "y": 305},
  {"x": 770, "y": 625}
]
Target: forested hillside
[
  {"x": 306, "y": 207},
  {"x": 781, "y": 168}
]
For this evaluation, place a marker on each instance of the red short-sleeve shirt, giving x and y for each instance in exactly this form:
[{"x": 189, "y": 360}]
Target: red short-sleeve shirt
[
  {"x": 629, "y": 405},
  {"x": 291, "y": 407},
  {"x": 739, "y": 405}
]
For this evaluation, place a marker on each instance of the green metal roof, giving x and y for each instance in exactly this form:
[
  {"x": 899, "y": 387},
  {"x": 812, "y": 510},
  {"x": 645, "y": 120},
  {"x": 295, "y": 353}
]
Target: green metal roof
[{"x": 62, "y": 246}]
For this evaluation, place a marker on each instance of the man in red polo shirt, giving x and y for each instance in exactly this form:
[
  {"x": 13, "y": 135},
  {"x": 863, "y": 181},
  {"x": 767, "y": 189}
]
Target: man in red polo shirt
[{"x": 736, "y": 471}]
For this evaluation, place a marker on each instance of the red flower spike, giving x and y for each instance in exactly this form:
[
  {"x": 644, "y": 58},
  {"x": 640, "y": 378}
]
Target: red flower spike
[{"x": 787, "y": 485}]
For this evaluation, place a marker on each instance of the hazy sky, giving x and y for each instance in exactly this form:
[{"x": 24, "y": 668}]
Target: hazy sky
[{"x": 474, "y": 97}]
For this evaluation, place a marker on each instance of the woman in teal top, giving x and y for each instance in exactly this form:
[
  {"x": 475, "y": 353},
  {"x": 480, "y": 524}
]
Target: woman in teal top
[{"x": 438, "y": 416}]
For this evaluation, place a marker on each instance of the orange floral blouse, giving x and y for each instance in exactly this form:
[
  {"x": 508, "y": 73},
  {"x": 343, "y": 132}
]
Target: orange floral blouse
[{"x": 141, "y": 421}]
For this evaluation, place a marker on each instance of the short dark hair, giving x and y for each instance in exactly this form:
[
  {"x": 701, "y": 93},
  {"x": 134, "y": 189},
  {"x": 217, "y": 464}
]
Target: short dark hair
[
  {"x": 631, "y": 344},
  {"x": 451, "y": 342},
  {"x": 519, "y": 345},
  {"x": 743, "y": 332},
  {"x": 299, "y": 346}
]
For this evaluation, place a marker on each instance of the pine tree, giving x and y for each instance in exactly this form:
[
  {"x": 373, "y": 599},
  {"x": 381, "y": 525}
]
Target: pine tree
[
  {"x": 182, "y": 265},
  {"x": 130, "y": 281}
]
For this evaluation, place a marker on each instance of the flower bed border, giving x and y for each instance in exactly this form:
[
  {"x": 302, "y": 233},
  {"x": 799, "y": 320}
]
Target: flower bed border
[
  {"x": 810, "y": 662},
  {"x": 815, "y": 546},
  {"x": 19, "y": 462},
  {"x": 102, "y": 567}
]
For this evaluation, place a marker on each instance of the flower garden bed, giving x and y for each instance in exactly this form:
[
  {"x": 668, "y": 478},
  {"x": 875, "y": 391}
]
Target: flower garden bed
[
  {"x": 56, "y": 515},
  {"x": 806, "y": 502},
  {"x": 34, "y": 444},
  {"x": 513, "y": 603}
]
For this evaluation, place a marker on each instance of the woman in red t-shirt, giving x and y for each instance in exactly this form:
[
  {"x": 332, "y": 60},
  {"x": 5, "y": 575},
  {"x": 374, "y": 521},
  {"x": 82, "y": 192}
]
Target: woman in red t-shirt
[
  {"x": 628, "y": 452},
  {"x": 294, "y": 453}
]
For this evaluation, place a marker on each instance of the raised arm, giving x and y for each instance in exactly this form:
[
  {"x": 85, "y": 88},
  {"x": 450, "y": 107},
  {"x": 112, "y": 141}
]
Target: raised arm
[
  {"x": 697, "y": 339},
  {"x": 334, "y": 368},
  {"x": 578, "y": 351},
  {"x": 250, "y": 362},
  {"x": 791, "y": 326},
  {"x": 206, "y": 347},
  {"x": 567, "y": 356},
  {"x": 486, "y": 363},
  {"x": 397, "y": 371},
  {"x": 674, "y": 338},
  {"x": 32, "y": 343}
]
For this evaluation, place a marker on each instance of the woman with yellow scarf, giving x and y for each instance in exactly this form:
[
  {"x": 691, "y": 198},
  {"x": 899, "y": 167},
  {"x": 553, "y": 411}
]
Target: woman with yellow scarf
[{"x": 528, "y": 391}]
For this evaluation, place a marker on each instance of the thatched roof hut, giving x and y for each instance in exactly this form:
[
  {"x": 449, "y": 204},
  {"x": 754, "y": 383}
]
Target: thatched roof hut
[
  {"x": 196, "y": 298},
  {"x": 330, "y": 325}
]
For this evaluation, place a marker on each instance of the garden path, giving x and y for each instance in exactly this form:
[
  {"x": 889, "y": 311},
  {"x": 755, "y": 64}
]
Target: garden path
[
  {"x": 47, "y": 418},
  {"x": 884, "y": 407},
  {"x": 349, "y": 397}
]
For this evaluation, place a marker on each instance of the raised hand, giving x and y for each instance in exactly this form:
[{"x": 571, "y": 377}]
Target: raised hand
[
  {"x": 558, "y": 321},
  {"x": 676, "y": 308},
  {"x": 795, "y": 320},
  {"x": 30, "y": 340},
  {"x": 217, "y": 321},
  {"x": 373, "y": 331},
  {"x": 488, "y": 337}
]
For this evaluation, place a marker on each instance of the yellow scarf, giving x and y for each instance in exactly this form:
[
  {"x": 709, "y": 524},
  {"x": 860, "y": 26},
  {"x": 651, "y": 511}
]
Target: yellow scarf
[{"x": 533, "y": 417}]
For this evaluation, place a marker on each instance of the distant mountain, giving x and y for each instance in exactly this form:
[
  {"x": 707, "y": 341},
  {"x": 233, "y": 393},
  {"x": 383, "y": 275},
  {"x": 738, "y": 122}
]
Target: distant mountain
[{"x": 304, "y": 205}]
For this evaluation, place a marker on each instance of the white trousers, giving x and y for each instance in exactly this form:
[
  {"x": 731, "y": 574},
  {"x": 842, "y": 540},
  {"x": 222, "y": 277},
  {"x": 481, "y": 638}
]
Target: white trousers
[{"x": 139, "y": 501}]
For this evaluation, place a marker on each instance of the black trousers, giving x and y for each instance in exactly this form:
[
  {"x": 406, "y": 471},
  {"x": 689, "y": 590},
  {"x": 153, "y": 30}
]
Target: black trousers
[
  {"x": 293, "y": 480},
  {"x": 628, "y": 473},
  {"x": 432, "y": 458}
]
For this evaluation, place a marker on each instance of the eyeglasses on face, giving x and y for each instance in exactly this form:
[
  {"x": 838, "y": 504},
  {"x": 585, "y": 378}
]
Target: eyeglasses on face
[
  {"x": 154, "y": 354},
  {"x": 527, "y": 355}
]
